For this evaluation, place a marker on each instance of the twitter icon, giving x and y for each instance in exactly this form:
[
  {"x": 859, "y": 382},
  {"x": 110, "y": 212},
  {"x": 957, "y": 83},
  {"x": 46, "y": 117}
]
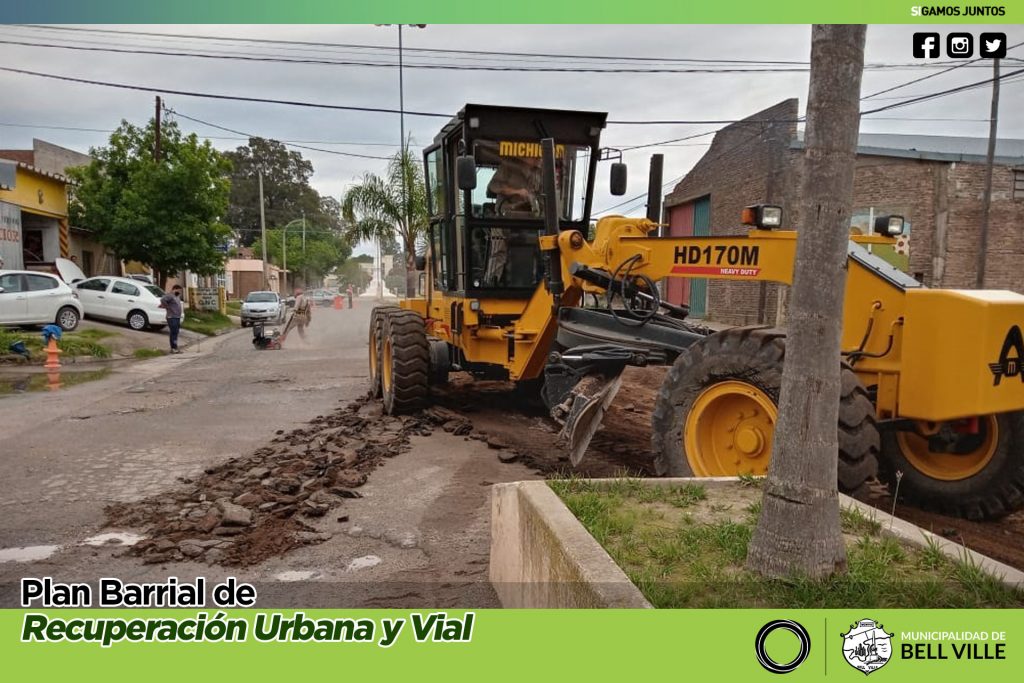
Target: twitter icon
[{"x": 992, "y": 45}]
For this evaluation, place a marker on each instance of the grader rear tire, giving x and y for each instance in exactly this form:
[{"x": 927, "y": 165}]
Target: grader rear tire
[
  {"x": 984, "y": 481},
  {"x": 405, "y": 362},
  {"x": 375, "y": 343},
  {"x": 716, "y": 411}
]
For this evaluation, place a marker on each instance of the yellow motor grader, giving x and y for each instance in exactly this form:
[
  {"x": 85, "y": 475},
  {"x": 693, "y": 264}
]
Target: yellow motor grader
[{"x": 520, "y": 285}]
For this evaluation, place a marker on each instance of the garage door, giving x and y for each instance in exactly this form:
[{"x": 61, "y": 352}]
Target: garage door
[{"x": 691, "y": 218}]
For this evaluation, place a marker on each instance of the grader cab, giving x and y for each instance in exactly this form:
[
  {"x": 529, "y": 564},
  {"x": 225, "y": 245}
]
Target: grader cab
[{"x": 520, "y": 286}]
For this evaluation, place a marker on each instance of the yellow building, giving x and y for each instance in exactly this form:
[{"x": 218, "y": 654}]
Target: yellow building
[{"x": 33, "y": 216}]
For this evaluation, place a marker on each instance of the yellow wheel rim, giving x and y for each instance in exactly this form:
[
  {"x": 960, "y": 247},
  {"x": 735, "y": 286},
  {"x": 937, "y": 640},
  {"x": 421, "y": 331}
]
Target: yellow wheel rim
[
  {"x": 949, "y": 466},
  {"x": 729, "y": 430},
  {"x": 385, "y": 377}
]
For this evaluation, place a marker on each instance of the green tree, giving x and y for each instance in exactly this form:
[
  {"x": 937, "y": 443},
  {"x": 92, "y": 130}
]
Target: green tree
[
  {"x": 324, "y": 251},
  {"x": 287, "y": 194},
  {"x": 351, "y": 273},
  {"x": 374, "y": 209},
  {"x": 168, "y": 213}
]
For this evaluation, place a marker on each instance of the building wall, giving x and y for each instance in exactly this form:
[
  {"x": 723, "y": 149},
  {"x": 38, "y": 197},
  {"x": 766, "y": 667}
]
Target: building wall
[
  {"x": 1005, "y": 261},
  {"x": 746, "y": 164},
  {"x": 56, "y": 159},
  {"x": 943, "y": 202},
  {"x": 244, "y": 282}
]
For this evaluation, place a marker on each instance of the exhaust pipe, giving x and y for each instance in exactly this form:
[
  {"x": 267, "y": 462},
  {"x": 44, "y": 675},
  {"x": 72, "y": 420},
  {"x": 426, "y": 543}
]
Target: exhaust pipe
[{"x": 654, "y": 183}]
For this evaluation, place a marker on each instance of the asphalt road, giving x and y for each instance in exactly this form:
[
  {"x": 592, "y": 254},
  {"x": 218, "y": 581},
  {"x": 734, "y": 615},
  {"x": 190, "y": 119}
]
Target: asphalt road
[{"x": 418, "y": 537}]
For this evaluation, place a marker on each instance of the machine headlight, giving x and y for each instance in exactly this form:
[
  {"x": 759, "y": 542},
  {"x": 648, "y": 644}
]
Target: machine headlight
[
  {"x": 889, "y": 225},
  {"x": 763, "y": 216}
]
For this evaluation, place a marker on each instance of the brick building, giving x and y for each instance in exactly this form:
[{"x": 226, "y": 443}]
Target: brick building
[{"x": 935, "y": 182}]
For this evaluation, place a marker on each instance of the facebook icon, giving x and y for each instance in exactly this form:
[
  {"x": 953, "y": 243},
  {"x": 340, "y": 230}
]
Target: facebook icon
[{"x": 926, "y": 45}]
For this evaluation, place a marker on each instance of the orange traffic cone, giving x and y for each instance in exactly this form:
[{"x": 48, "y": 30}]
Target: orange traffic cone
[
  {"x": 53, "y": 380},
  {"x": 337, "y": 302},
  {"x": 52, "y": 355}
]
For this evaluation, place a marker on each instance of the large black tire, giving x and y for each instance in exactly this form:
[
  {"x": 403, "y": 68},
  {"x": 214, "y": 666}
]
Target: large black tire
[
  {"x": 405, "y": 362},
  {"x": 755, "y": 356},
  {"x": 377, "y": 316},
  {"x": 993, "y": 492}
]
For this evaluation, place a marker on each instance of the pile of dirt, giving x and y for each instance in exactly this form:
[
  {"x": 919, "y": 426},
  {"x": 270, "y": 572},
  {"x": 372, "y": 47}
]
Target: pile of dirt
[
  {"x": 248, "y": 509},
  {"x": 523, "y": 431}
]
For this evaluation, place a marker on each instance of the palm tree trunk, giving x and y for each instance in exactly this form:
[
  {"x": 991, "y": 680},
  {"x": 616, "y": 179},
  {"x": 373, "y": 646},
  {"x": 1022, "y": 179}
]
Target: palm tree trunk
[{"x": 799, "y": 528}]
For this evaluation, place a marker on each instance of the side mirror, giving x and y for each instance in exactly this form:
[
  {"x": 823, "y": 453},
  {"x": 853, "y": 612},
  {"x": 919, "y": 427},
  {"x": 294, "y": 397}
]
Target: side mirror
[
  {"x": 465, "y": 170},
  {"x": 420, "y": 262},
  {"x": 618, "y": 178}
]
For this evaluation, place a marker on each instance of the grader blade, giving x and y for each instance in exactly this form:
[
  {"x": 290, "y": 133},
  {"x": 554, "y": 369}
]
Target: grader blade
[{"x": 583, "y": 410}]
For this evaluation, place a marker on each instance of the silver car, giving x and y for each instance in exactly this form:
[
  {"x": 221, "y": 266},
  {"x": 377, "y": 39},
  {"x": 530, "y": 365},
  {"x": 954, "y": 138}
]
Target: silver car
[{"x": 265, "y": 307}]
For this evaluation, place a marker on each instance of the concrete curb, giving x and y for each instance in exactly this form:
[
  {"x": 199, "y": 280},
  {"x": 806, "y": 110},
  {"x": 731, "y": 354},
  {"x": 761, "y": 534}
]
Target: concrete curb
[{"x": 543, "y": 557}]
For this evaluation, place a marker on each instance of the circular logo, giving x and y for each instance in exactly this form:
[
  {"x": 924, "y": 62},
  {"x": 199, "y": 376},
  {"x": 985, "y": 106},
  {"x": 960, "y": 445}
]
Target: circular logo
[{"x": 793, "y": 627}]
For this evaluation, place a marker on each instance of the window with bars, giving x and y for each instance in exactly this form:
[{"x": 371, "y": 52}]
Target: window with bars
[{"x": 1018, "y": 183}]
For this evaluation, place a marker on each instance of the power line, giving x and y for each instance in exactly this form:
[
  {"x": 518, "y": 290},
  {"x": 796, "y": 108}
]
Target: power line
[
  {"x": 390, "y": 48},
  {"x": 215, "y": 96},
  {"x": 730, "y": 68},
  {"x": 446, "y": 67},
  {"x": 238, "y": 132},
  {"x": 211, "y": 137},
  {"x": 933, "y": 75}
]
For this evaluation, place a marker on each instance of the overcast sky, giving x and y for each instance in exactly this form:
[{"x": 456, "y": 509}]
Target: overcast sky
[{"x": 35, "y": 102}]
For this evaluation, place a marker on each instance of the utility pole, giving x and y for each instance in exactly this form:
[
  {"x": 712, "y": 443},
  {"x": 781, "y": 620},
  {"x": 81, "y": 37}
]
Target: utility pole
[
  {"x": 993, "y": 124},
  {"x": 305, "y": 276},
  {"x": 263, "y": 234},
  {"x": 284, "y": 265},
  {"x": 156, "y": 146}
]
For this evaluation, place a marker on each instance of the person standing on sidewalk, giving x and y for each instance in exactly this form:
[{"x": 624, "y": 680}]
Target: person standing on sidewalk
[
  {"x": 172, "y": 303},
  {"x": 350, "y": 294}
]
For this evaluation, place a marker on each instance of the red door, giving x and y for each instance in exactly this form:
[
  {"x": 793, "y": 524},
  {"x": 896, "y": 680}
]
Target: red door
[{"x": 680, "y": 222}]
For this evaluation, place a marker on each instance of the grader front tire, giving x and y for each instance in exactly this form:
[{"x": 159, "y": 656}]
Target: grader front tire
[
  {"x": 716, "y": 410},
  {"x": 405, "y": 362}
]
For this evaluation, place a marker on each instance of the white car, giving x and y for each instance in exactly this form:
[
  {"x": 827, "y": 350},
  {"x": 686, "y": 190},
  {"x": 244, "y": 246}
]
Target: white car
[
  {"x": 122, "y": 299},
  {"x": 262, "y": 307},
  {"x": 31, "y": 298}
]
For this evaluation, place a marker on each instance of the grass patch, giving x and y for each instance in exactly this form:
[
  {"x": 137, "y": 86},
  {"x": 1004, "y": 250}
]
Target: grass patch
[
  {"x": 234, "y": 307},
  {"x": 206, "y": 322},
  {"x": 93, "y": 333},
  {"x": 143, "y": 354},
  {"x": 73, "y": 344},
  {"x": 683, "y": 548}
]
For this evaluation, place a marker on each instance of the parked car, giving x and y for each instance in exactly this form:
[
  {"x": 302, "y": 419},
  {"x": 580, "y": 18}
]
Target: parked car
[
  {"x": 122, "y": 299},
  {"x": 31, "y": 298},
  {"x": 321, "y": 297},
  {"x": 262, "y": 307}
]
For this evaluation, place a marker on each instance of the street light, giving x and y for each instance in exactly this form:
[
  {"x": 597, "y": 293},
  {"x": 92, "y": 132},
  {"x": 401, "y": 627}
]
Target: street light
[{"x": 402, "y": 147}]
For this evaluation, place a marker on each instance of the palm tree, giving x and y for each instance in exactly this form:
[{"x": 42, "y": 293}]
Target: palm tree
[{"x": 388, "y": 209}]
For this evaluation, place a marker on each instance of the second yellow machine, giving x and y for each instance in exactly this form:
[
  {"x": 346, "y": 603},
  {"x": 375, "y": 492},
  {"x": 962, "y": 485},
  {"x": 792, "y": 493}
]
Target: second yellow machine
[{"x": 520, "y": 285}]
